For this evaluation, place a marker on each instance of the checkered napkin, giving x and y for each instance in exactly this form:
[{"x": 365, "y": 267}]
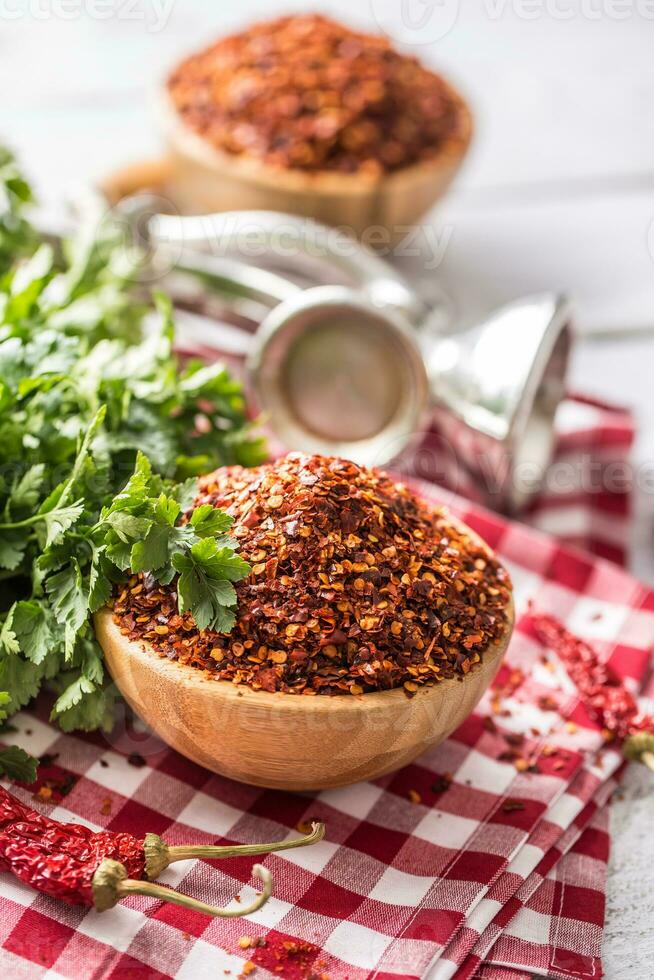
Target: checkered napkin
[
  {"x": 572, "y": 890},
  {"x": 457, "y": 864},
  {"x": 586, "y": 500}
]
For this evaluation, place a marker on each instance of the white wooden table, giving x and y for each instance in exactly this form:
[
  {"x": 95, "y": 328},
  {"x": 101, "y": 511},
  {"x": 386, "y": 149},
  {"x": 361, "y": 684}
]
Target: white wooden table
[{"x": 558, "y": 193}]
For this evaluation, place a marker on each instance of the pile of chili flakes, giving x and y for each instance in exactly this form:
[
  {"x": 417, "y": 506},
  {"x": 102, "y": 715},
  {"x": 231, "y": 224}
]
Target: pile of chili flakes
[
  {"x": 356, "y": 585},
  {"x": 306, "y": 92}
]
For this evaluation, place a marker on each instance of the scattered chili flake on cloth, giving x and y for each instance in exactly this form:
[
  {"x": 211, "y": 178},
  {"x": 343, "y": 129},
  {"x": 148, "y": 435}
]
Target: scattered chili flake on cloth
[
  {"x": 357, "y": 585},
  {"x": 308, "y": 93}
]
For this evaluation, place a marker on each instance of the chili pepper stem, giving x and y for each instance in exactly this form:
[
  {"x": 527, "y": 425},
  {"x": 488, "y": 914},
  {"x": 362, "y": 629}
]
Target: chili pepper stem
[
  {"x": 111, "y": 884},
  {"x": 639, "y": 747},
  {"x": 158, "y": 854}
]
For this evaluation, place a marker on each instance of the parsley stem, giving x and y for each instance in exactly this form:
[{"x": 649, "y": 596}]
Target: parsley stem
[
  {"x": 27, "y": 522},
  {"x": 30, "y": 521}
]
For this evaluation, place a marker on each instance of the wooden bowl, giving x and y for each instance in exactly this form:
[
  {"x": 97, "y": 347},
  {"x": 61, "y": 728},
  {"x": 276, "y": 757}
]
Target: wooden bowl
[
  {"x": 288, "y": 741},
  {"x": 205, "y": 179},
  {"x": 154, "y": 176}
]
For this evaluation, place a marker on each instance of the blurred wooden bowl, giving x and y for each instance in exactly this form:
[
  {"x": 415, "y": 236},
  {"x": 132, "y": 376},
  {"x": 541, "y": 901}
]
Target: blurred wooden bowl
[
  {"x": 289, "y": 741},
  {"x": 143, "y": 176},
  {"x": 208, "y": 180}
]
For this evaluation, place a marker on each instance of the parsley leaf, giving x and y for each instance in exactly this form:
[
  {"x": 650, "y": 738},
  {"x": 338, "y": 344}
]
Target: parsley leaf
[
  {"x": 100, "y": 580},
  {"x": 204, "y": 589},
  {"x": 58, "y": 521},
  {"x": 219, "y": 562},
  {"x": 12, "y": 549},
  {"x": 24, "y": 493},
  {"x": 208, "y": 522},
  {"x": 141, "y": 531},
  {"x": 68, "y": 597},
  {"x": 20, "y": 678},
  {"x": 32, "y": 624},
  {"x": 16, "y": 764},
  {"x": 89, "y": 384}
]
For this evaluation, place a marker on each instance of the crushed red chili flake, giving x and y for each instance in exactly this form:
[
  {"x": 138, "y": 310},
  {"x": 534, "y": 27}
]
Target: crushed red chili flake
[
  {"x": 512, "y": 806},
  {"x": 291, "y": 958},
  {"x": 249, "y": 942},
  {"x": 52, "y": 783},
  {"x": 307, "y": 93},
  {"x": 442, "y": 783},
  {"x": 603, "y": 693},
  {"x": 525, "y": 765},
  {"x": 356, "y": 585},
  {"x": 55, "y": 789}
]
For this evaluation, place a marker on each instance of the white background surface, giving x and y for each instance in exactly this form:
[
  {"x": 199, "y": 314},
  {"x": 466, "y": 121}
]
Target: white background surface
[{"x": 558, "y": 193}]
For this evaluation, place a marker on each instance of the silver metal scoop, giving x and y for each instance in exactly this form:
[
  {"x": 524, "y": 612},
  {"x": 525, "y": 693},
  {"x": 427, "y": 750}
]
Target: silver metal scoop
[
  {"x": 357, "y": 369},
  {"x": 363, "y": 369}
]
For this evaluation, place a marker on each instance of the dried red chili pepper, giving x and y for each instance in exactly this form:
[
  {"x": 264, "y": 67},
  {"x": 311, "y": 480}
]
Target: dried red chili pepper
[
  {"x": 98, "y": 868},
  {"x": 356, "y": 585},
  {"x": 602, "y": 692},
  {"x": 307, "y": 93}
]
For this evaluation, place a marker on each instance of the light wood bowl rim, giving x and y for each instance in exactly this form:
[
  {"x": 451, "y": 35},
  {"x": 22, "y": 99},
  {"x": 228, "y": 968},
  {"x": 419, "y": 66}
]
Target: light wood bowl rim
[{"x": 108, "y": 634}]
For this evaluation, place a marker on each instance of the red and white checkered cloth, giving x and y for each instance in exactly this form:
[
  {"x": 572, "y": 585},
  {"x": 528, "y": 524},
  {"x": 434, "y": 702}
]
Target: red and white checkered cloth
[{"x": 495, "y": 872}]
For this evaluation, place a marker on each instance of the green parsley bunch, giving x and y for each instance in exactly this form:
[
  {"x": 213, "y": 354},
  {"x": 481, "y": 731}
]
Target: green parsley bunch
[{"x": 97, "y": 422}]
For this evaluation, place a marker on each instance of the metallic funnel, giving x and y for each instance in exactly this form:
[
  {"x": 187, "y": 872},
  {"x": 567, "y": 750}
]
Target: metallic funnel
[
  {"x": 496, "y": 388},
  {"x": 357, "y": 369}
]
